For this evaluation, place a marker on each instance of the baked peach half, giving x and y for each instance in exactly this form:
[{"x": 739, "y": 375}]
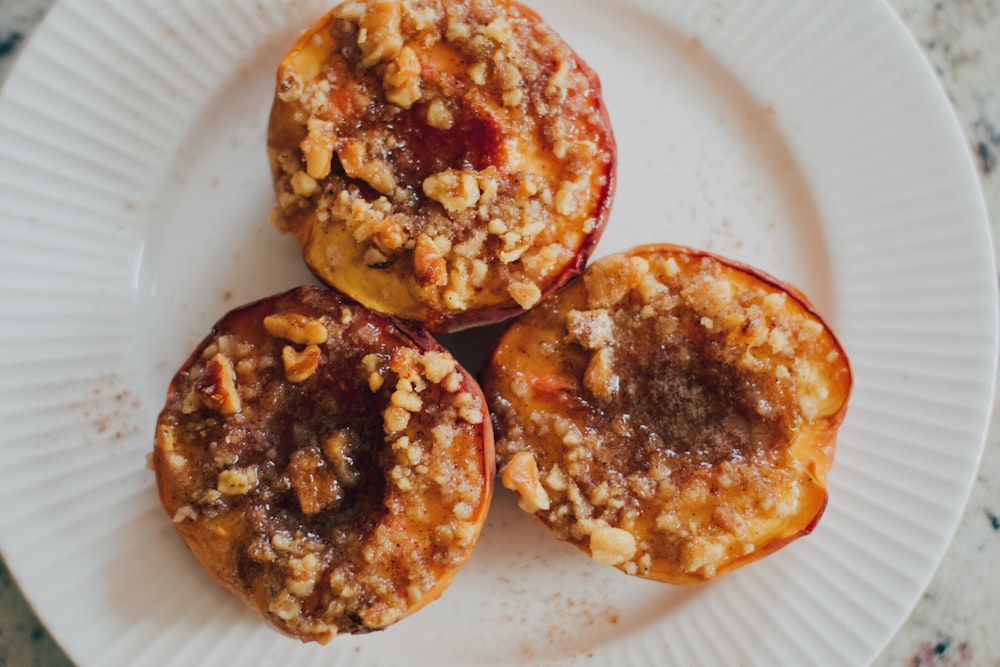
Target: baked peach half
[
  {"x": 672, "y": 413},
  {"x": 449, "y": 163},
  {"x": 325, "y": 465}
]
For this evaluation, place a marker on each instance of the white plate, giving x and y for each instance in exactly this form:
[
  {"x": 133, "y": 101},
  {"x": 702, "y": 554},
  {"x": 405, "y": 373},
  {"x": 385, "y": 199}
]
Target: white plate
[{"x": 807, "y": 137}]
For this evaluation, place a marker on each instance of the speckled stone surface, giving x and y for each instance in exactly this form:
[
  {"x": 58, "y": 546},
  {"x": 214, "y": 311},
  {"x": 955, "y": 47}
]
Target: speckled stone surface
[
  {"x": 957, "y": 621},
  {"x": 24, "y": 641}
]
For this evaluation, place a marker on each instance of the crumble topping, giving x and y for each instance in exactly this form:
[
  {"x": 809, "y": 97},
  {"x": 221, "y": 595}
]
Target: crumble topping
[
  {"x": 459, "y": 148},
  {"x": 658, "y": 401},
  {"x": 347, "y": 481}
]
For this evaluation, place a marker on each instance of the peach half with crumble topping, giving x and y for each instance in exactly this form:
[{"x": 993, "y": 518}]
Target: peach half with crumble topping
[
  {"x": 672, "y": 413},
  {"x": 325, "y": 465},
  {"x": 449, "y": 163}
]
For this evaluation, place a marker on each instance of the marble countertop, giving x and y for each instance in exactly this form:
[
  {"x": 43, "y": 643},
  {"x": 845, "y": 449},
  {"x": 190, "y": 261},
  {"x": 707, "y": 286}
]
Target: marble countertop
[{"x": 955, "y": 622}]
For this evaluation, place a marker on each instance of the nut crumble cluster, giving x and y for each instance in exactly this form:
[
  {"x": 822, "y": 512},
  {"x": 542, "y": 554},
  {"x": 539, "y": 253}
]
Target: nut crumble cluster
[
  {"x": 324, "y": 465},
  {"x": 670, "y": 413},
  {"x": 447, "y": 162}
]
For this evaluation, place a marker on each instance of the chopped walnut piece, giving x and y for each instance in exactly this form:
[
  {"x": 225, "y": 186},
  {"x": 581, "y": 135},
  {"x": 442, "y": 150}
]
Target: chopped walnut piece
[
  {"x": 317, "y": 148},
  {"x": 428, "y": 263},
  {"x": 499, "y": 30},
  {"x": 296, "y": 328},
  {"x": 303, "y": 575},
  {"x": 380, "y": 38},
  {"x": 357, "y": 163},
  {"x": 437, "y": 365},
  {"x": 701, "y": 554},
  {"x": 439, "y": 116},
  {"x": 525, "y": 293},
  {"x": 556, "y": 479},
  {"x": 396, "y": 419},
  {"x": 453, "y": 382},
  {"x": 402, "y": 79},
  {"x": 192, "y": 402},
  {"x": 560, "y": 78},
  {"x": 591, "y": 328},
  {"x": 600, "y": 377},
  {"x": 371, "y": 364},
  {"x": 468, "y": 408},
  {"x": 455, "y": 190},
  {"x": 477, "y": 72},
  {"x": 300, "y": 366},
  {"x": 304, "y": 185},
  {"x": 513, "y": 98},
  {"x": 521, "y": 475},
  {"x": 217, "y": 386},
  {"x": 407, "y": 400},
  {"x": 775, "y": 301},
  {"x": 285, "y": 606},
  {"x": 612, "y": 546},
  {"x": 568, "y": 196},
  {"x": 237, "y": 481},
  {"x": 610, "y": 279}
]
